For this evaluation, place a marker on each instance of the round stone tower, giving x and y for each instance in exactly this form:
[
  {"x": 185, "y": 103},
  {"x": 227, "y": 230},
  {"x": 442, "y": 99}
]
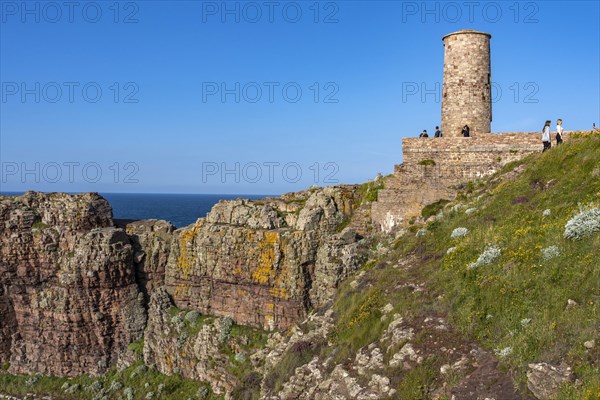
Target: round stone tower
[{"x": 467, "y": 89}]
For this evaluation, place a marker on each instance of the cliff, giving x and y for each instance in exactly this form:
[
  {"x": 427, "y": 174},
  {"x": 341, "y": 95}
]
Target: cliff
[
  {"x": 75, "y": 288},
  {"x": 265, "y": 263},
  {"x": 70, "y": 301}
]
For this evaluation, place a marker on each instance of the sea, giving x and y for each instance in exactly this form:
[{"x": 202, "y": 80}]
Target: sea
[{"x": 179, "y": 209}]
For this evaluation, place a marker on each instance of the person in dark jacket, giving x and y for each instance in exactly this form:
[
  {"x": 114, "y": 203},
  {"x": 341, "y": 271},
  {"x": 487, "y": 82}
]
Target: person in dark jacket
[
  {"x": 424, "y": 134},
  {"x": 466, "y": 132},
  {"x": 438, "y": 133},
  {"x": 546, "y": 136}
]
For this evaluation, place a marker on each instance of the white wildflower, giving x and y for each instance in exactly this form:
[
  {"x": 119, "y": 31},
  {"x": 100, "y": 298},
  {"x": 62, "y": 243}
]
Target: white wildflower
[
  {"x": 457, "y": 207},
  {"x": 488, "y": 256},
  {"x": 547, "y": 212},
  {"x": 525, "y": 322},
  {"x": 503, "y": 352},
  {"x": 459, "y": 232},
  {"x": 550, "y": 252},
  {"x": 451, "y": 250}
]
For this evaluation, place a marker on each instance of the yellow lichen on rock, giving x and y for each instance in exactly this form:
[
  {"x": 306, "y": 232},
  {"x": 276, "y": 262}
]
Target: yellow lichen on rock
[
  {"x": 184, "y": 261},
  {"x": 279, "y": 292},
  {"x": 265, "y": 271}
]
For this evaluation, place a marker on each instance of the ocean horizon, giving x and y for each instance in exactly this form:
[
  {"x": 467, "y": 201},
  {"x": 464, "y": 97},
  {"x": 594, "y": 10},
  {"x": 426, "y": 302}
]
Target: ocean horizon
[{"x": 180, "y": 209}]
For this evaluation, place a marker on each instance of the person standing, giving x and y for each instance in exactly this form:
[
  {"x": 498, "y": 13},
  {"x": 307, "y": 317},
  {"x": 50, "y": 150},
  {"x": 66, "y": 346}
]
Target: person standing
[
  {"x": 466, "y": 132},
  {"x": 424, "y": 134},
  {"x": 559, "y": 132},
  {"x": 546, "y": 136},
  {"x": 438, "y": 133}
]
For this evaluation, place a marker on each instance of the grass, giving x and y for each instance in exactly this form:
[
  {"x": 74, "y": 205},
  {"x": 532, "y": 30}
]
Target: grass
[
  {"x": 137, "y": 347},
  {"x": 489, "y": 303},
  {"x": 418, "y": 382},
  {"x": 368, "y": 191},
  {"x": 434, "y": 208},
  {"x": 175, "y": 387},
  {"x": 519, "y": 301},
  {"x": 256, "y": 338},
  {"x": 359, "y": 320}
]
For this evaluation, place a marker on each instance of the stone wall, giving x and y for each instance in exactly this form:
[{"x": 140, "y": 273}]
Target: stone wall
[{"x": 432, "y": 169}]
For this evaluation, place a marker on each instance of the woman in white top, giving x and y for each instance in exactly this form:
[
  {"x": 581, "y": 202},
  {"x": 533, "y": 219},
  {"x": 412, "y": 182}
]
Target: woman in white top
[
  {"x": 546, "y": 136},
  {"x": 559, "y": 132}
]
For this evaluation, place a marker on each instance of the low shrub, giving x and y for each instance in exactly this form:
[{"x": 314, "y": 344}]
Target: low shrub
[{"x": 584, "y": 224}]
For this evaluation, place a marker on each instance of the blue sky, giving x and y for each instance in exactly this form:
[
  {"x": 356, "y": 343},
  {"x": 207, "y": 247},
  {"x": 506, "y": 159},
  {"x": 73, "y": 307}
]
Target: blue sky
[{"x": 163, "y": 123}]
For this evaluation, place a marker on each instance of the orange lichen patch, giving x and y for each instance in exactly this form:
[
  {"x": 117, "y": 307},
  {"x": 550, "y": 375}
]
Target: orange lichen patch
[
  {"x": 238, "y": 271},
  {"x": 250, "y": 235},
  {"x": 169, "y": 362},
  {"x": 280, "y": 288},
  {"x": 181, "y": 290},
  {"x": 185, "y": 259},
  {"x": 279, "y": 292},
  {"x": 265, "y": 271}
]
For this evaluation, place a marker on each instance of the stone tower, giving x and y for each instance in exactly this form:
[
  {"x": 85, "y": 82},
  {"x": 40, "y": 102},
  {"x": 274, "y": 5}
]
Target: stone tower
[{"x": 467, "y": 89}]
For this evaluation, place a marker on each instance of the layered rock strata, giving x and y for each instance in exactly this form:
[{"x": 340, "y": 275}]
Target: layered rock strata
[
  {"x": 74, "y": 288},
  {"x": 69, "y": 301}
]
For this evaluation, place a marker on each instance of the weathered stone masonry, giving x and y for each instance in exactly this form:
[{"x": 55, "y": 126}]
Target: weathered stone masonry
[
  {"x": 433, "y": 168},
  {"x": 467, "y": 90}
]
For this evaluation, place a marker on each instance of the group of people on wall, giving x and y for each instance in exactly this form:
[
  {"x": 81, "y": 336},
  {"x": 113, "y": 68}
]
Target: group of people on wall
[
  {"x": 466, "y": 132},
  {"x": 547, "y": 136}
]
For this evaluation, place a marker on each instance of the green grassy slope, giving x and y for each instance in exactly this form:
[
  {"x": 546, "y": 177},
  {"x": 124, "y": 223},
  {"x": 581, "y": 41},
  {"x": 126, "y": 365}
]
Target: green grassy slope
[{"x": 517, "y": 305}]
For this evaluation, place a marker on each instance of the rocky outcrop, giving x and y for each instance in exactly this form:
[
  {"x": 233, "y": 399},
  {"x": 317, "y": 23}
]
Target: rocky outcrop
[
  {"x": 176, "y": 344},
  {"x": 264, "y": 263},
  {"x": 74, "y": 287},
  {"x": 545, "y": 380},
  {"x": 151, "y": 241},
  {"x": 69, "y": 302}
]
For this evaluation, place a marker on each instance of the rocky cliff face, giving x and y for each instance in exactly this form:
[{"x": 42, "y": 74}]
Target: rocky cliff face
[
  {"x": 69, "y": 300},
  {"x": 75, "y": 289},
  {"x": 265, "y": 263}
]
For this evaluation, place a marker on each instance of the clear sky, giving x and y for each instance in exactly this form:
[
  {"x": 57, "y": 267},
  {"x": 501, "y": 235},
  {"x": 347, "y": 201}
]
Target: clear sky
[{"x": 161, "y": 96}]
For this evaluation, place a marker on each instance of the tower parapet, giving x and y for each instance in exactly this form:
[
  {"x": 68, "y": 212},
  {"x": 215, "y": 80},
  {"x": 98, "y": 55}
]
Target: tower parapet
[{"x": 466, "y": 89}]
